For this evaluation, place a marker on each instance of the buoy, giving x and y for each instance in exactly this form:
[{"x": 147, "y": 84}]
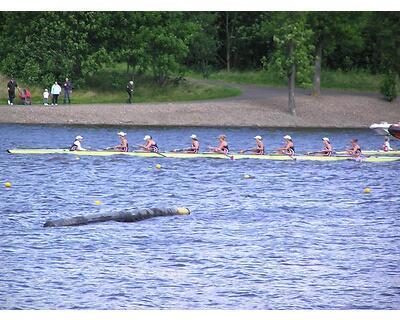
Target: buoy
[
  {"x": 7, "y": 184},
  {"x": 97, "y": 202},
  {"x": 158, "y": 166},
  {"x": 247, "y": 176},
  {"x": 367, "y": 190}
]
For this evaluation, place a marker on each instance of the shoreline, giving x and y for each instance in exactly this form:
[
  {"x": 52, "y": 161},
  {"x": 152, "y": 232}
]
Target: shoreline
[{"x": 257, "y": 106}]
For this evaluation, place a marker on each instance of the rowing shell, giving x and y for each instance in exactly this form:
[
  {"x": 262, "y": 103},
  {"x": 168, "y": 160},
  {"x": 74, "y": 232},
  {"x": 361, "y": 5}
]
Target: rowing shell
[
  {"x": 375, "y": 152},
  {"x": 276, "y": 157}
]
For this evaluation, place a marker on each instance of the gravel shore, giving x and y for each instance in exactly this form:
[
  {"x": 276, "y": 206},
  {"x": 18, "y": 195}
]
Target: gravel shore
[{"x": 256, "y": 106}]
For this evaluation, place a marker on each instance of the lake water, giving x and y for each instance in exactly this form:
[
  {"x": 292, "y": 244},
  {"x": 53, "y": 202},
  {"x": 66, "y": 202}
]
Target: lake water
[{"x": 300, "y": 235}]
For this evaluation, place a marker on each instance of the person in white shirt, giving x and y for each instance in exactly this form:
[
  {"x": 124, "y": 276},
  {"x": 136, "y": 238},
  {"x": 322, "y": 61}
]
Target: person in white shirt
[
  {"x": 386, "y": 145},
  {"x": 76, "y": 146},
  {"x": 46, "y": 97},
  {"x": 55, "y": 92}
]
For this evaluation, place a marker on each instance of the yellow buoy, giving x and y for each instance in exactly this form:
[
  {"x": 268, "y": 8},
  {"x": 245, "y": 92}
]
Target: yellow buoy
[
  {"x": 7, "y": 184},
  {"x": 158, "y": 166},
  {"x": 97, "y": 202},
  {"x": 367, "y": 190}
]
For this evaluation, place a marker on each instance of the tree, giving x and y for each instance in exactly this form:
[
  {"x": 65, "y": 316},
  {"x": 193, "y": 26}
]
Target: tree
[
  {"x": 332, "y": 30},
  {"x": 230, "y": 19},
  {"x": 203, "y": 45},
  {"x": 43, "y": 47},
  {"x": 161, "y": 42},
  {"x": 292, "y": 56},
  {"x": 384, "y": 40}
]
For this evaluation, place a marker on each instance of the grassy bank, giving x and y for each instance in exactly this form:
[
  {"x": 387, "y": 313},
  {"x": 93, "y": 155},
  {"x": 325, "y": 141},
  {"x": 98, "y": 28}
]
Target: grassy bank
[
  {"x": 108, "y": 86},
  {"x": 355, "y": 80}
]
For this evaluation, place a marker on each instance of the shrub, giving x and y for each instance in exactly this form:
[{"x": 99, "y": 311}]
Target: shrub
[{"x": 389, "y": 86}]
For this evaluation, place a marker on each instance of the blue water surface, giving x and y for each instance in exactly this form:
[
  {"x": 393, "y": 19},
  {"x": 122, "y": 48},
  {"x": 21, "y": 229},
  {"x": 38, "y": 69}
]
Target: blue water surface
[{"x": 300, "y": 235}]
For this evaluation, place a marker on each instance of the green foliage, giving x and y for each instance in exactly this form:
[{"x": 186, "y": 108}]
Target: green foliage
[
  {"x": 389, "y": 86},
  {"x": 340, "y": 36},
  {"x": 203, "y": 44},
  {"x": 291, "y": 31},
  {"x": 40, "y": 47},
  {"x": 356, "y": 80},
  {"x": 43, "y": 47},
  {"x": 155, "y": 41}
]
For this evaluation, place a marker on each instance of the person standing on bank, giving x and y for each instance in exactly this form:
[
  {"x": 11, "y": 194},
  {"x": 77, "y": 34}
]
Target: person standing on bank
[
  {"x": 46, "y": 97},
  {"x": 67, "y": 90},
  {"x": 11, "y": 85},
  {"x": 129, "y": 90},
  {"x": 55, "y": 92}
]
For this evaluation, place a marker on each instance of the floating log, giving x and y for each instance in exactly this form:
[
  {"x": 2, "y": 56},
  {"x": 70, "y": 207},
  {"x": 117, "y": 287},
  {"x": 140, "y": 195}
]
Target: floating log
[{"x": 125, "y": 216}]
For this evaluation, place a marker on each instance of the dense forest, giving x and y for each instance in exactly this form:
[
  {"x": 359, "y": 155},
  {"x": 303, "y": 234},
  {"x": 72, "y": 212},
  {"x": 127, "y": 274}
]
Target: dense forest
[{"x": 42, "y": 46}]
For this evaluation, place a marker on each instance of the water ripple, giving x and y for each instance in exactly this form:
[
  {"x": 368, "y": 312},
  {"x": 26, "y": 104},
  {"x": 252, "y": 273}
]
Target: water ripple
[{"x": 297, "y": 236}]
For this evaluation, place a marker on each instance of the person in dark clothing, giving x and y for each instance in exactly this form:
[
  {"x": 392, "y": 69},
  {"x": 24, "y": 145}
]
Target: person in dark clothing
[
  {"x": 11, "y": 85},
  {"x": 129, "y": 89},
  {"x": 67, "y": 90}
]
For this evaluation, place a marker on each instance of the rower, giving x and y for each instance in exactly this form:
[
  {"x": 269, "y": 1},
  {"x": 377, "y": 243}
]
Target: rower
[
  {"x": 259, "y": 149},
  {"x": 150, "y": 146},
  {"x": 76, "y": 146},
  {"x": 123, "y": 145},
  {"x": 222, "y": 146},
  {"x": 355, "y": 149},
  {"x": 327, "y": 151},
  {"x": 386, "y": 145},
  {"x": 288, "y": 148},
  {"x": 195, "y": 145}
]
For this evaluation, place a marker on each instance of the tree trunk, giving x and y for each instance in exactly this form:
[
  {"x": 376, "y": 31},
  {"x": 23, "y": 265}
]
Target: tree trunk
[
  {"x": 228, "y": 43},
  {"x": 316, "y": 90},
  {"x": 292, "y": 82}
]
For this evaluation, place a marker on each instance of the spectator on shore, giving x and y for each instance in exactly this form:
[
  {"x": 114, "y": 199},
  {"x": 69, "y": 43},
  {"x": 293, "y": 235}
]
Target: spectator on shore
[
  {"x": 129, "y": 89},
  {"x": 11, "y": 85},
  {"x": 46, "y": 97},
  {"x": 55, "y": 92},
  {"x": 67, "y": 90}
]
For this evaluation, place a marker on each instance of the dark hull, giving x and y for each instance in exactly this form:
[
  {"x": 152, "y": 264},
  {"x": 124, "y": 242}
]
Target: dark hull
[{"x": 394, "y": 130}]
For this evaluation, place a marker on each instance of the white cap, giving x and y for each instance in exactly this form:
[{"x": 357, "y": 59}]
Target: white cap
[
  {"x": 78, "y": 138},
  {"x": 146, "y": 137},
  {"x": 287, "y": 137},
  {"x": 258, "y": 137},
  {"x": 325, "y": 139},
  {"x": 131, "y": 82},
  {"x": 122, "y": 134},
  {"x": 193, "y": 136}
]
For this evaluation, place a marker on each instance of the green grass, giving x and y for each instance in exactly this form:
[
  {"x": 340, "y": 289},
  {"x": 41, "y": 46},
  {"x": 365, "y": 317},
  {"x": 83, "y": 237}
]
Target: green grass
[
  {"x": 245, "y": 77},
  {"x": 108, "y": 86},
  {"x": 353, "y": 80}
]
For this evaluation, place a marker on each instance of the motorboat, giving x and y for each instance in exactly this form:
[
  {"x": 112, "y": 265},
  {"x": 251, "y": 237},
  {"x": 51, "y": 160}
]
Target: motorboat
[
  {"x": 394, "y": 130},
  {"x": 381, "y": 128}
]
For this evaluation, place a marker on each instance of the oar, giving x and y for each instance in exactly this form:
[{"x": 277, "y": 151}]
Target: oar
[
  {"x": 159, "y": 153},
  {"x": 314, "y": 152},
  {"x": 285, "y": 154},
  {"x": 162, "y": 155},
  {"x": 244, "y": 151},
  {"x": 226, "y": 155}
]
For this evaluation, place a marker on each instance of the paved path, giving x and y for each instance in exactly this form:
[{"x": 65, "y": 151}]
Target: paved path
[{"x": 256, "y": 106}]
